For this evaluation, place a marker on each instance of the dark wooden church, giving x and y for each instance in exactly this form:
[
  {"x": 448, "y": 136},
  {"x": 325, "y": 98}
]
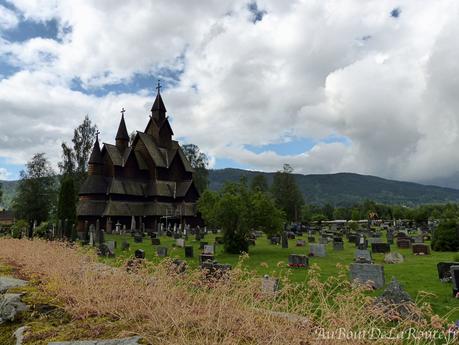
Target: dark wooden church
[{"x": 149, "y": 179}]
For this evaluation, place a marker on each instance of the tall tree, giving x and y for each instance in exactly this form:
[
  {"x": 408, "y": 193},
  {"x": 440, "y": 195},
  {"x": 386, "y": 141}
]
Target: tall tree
[
  {"x": 66, "y": 207},
  {"x": 36, "y": 190},
  {"x": 1, "y": 193},
  {"x": 199, "y": 162},
  {"x": 259, "y": 183},
  {"x": 287, "y": 194},
  {"x": 75, "y": 159}
]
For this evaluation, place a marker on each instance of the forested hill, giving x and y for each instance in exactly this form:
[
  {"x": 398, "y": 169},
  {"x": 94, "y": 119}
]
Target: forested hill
[
  {"x": 345, "y": 189},
  {"x": 341, "y": 189}
]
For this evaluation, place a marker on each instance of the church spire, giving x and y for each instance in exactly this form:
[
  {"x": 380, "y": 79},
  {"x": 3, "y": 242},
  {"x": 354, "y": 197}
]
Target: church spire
[
  {"x": 122, "y": 136},
  {"x": 158, "y": 110},
  {"x": 95, "y": 160}
]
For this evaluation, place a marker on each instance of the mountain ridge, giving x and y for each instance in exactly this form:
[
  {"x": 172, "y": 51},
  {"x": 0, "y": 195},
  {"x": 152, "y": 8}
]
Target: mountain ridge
[{"x": 338, "y": 189}]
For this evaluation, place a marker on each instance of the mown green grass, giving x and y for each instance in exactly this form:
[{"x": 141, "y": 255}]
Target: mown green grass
[{"x": 417, "y": 274}]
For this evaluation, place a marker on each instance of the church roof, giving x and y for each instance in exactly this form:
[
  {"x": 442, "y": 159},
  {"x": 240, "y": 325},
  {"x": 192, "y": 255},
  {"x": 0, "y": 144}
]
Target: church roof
[
  {"x": 158, "y": 105},
  {"x": 96, "y": 156},
  {"x": 122, "y": 133}
]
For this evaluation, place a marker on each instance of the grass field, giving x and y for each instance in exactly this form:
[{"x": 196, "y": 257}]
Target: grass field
[{"x": 418, "y": 274}]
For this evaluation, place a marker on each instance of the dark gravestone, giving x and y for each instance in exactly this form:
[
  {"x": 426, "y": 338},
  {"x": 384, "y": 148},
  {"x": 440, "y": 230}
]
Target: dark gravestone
[
  {"x": 285, "y": 241},
  {"x": 124, "y": 245},
  {"x": 161, "y": 251},
  {"x": 420, "y": 249},
  {"x": 155, "y": 241},
  {"x": 337, "y": 246},
  {"x": 455, "y": 279},
  {"x": 139, "y": 254},
  {"x": 138, "y": 238},
  {"x": 444, "y": 269},
  {"x": 275, "y": 240},
  {"x": 295, "y": 260},
  {"x": 154, "y": 235},
  {"x": 362, "y": 242},
  {"x": 380, "y": 248},
  {"x": 290, "y": 235},
  {"x": 403, "y": 243},
  {"x": 177, "y": 235},
  {"x": 367, "y": 274},
  {"x": 352, "y": 238},
  {"x": 188, "y": 251},
  {"x": 104, "y": 250},
  {"x": 395, "y": 297},
  {"x": 215, "y": 270},
  {"x": 205, "y": 258},
  {"x": 169, "y": 233},
  {"x": 311, "y": 239}
]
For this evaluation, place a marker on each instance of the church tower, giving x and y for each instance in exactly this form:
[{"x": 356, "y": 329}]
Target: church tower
[{"x": 122, "y": 136}]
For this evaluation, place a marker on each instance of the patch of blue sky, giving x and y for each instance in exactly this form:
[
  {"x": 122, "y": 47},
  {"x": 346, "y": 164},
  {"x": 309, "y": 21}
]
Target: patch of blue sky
[
  {"x": 6, "y": 69},
  {"x": 29, "y": 29},
  {"x": 168, "y": 78},
  {"x": 296, "y": 146},
  {"x": 12, "y": 169},
  {"x": 222, "y": 163}
]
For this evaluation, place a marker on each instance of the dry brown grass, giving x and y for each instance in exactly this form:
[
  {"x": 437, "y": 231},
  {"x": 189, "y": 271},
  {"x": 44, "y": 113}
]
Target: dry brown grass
[{"x": 164, "y": 307}]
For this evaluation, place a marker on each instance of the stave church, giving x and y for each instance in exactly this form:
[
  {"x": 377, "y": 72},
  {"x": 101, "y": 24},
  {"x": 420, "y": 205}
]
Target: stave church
[{"x": 146, "y": 180}]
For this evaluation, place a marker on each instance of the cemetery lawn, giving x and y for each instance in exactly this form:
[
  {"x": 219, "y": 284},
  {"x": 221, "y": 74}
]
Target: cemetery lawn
[{"x": 417, "y": 274}]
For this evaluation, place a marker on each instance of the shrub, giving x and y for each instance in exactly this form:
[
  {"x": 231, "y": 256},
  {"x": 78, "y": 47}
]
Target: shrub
[
  {"x": 18, "y": 228},
  {"x": 41, "y": 229},
  {"x": 446, "y": 237}
]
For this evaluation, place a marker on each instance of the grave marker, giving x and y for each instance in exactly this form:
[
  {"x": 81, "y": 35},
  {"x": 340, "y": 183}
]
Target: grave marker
[{"x": 367, "y": 274}]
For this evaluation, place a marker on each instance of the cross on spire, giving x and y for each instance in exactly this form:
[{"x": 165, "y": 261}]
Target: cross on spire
[
  {"x": 122, "y": 111},
  {"x": 158, "y": 87},
  {"x": 97, "y": 135}
]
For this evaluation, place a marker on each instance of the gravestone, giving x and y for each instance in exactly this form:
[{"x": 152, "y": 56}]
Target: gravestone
[
  {"x": 275, "y": 240},
  {"x": 139, "y": 254},
  {"x": 111, "y": 245},
  {"x": 380, "y": 247},
  {"x": 92, "y": 233},
  {"x": 161, "y": 251},
  {"x": 215, "y": 269},
  {"x": 372, "y": 240},
  {"x": 395, "y": 297},
  {"x": 362, "y": 242},
  {"x": 337, "y": 246},
  {"x": 269, "y": 285},
  {"x": 179, "y": 266},
  {"x": 180, "y": 242},
  {"x": 295, "y": 260},
  {"x": 155, "y": 241},
  {"x": 138, "y": 238},
  {"x": 444, "y": 270},
  {"x": 311, "y": 239},
  {"x": 393, "y": 258},
  {"x": 455, "y": 279},
  {"x": 317, "y": 249},
  {"x": 188, "y": 251},
  {"x": 206, "y": 257},
  {"x": 323, "y": 240},
  {"x": 300, "y": 243},
  {"x": 284, "y": 240},
  {"x": 420, "y": 249},
  {"x": 124, "y": 245},
  {"x": 202, "y": 244},
  {"x": 366, "y": 273},
  {"x": 363, "y": 256},
  {"x": 208, "y": 249},
  {"x": 403, "y": 243}
]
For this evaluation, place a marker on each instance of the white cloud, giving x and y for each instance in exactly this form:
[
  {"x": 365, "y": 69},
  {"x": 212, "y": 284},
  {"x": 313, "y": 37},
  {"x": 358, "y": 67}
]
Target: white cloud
[
  {"x": 4, "y": 174},
  {"x": 307, "y": 69},
  {"x": 8, "y": 18}
]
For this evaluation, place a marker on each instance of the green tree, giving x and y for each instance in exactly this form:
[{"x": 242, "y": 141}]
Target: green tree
[
  {"x": 75, "y": 159},
  {"x": 237, "y": 211},
  {"x": 66, "y": 207},
  {"x": 36, "y": 190},
  {"x": 287, "y": 194},
  {"x": 446, "y": 236},
  {"x": 1, "y": 193},
  {"x": 199, "y": 162},
  {"x": 259, "y": 183}
]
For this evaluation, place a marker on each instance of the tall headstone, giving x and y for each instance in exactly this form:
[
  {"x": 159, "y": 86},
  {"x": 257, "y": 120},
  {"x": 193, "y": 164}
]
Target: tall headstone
[
  {"x": 284, "y": 240},
  {"x": 367, "y": 273}
]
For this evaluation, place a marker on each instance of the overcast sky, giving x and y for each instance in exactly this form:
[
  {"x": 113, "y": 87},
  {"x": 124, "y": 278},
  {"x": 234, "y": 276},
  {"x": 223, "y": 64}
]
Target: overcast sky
[{"x": 327, "y": 86}]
